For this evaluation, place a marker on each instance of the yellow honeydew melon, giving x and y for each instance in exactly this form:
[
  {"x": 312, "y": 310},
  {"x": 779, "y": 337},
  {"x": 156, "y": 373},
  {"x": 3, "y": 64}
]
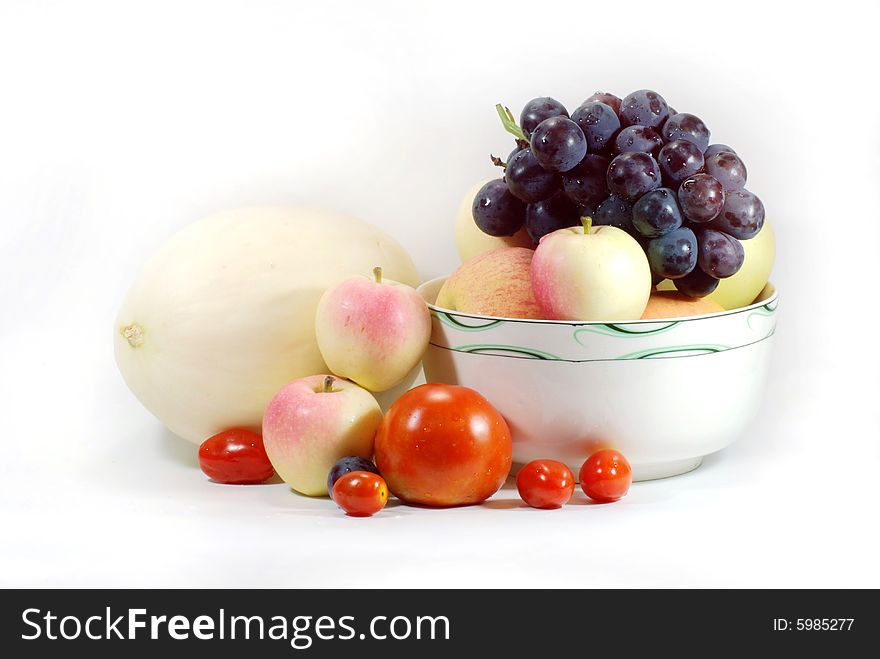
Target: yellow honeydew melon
[
  {"x": 741, "y": 289},
  {"x": 470, "y": 241},
  {"x": 223, "y": 314}
]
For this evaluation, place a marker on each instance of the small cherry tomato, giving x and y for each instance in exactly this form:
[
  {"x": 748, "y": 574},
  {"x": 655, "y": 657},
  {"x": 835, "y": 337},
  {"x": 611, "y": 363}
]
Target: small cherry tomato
[
  {"x": 236, "y": 457},
  {"x": 360, "y": 493},
  {"x": 545, "y": 484},
  {"x": 605, "y": 476}
]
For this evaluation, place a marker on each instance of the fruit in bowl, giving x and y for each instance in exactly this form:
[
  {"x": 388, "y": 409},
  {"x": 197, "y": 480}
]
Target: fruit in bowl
[
  {"x": 654, "y": 197},
  {"x": 637, "y": 165}
]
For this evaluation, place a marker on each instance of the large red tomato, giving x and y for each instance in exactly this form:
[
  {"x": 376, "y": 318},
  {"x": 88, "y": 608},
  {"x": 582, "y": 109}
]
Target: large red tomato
[{"x": 443, "y": 445}]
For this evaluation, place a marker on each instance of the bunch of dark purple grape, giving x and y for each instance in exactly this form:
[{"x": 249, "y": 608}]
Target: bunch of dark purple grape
[{"x": 634, "y": 164}]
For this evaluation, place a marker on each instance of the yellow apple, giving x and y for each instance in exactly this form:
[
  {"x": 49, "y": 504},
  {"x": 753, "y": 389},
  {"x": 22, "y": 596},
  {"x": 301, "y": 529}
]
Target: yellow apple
[
  {"x": 472, "y": 242},
  {"x": 741, "y": 289}
]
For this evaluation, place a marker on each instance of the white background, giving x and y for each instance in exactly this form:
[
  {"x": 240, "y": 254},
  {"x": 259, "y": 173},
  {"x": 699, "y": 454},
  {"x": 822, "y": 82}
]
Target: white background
[{"x": 122, "y": 122}]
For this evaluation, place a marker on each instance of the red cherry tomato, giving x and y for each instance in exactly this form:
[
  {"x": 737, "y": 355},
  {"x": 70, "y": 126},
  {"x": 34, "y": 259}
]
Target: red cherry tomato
[
  {"x": 605, "y": 476},
  {"x": 443, "y": 445},
  {"x": 235, "y": 456},
  {"x": 545, "y": 484},
  {"x": 360, "y": 493}
]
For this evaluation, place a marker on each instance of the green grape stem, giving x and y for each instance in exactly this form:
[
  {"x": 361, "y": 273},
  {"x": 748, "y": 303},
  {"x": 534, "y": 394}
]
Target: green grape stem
[{"x": 509, "y": 123}]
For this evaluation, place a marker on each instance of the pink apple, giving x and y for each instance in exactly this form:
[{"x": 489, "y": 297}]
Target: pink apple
[
  {"x": 311, "y": 423},
  {"x": 591, "y": 273},
  {"x": 496, "y": 283},
  {"x": 372, "y": 331}
]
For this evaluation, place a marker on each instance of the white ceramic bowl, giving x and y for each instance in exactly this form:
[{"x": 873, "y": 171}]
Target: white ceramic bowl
[{"x": 664, "y": 393}]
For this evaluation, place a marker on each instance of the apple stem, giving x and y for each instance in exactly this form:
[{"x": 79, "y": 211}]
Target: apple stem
[
  {"x": 587, "y": 221},
  {"x": 377, "y": 274},
  {"x": 328, "y": 384},
  {"x": 509, "y": 123}
]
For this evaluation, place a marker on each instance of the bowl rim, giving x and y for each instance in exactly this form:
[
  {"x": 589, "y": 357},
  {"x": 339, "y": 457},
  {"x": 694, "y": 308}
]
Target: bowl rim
[{"x": 766, "y": 297}]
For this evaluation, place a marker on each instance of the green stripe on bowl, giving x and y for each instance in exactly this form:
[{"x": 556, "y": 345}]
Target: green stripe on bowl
[
  {"x": 694, "y": 349},
  {"x": 484, "y": 348},
  {"x": 632, "y": 331},
  {"x": 762, "y": 312},
  {"x": 455, "y": 323}
]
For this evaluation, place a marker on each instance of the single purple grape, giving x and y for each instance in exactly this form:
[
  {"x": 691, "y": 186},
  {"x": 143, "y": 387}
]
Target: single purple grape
[
  {"x": 559, "y": 144},
  {"x": 630, "y": 175},
  {"x": 696, "y": 283},
  {"x": 701, "y": 198},
  {"x": 719, "y": 255},
  {"x": 674, "y": 254},
  {"x": 684, "y": 126},
  {"x": 638, "y": 138},
  {"x": 729, "y": 169},
  {"x": 643, "y": 108},
  {"x": 607, "y": 99},
  {"x": 656, "y": 213},
  {"x": 599, "y": 123},
  {"x": 496, "y": 211},
  {"x": 529, "y": 181},
  {"x": 678, "y": 160},
  {"x": 742, "y": 215},
  {"x": 538, "y": 109}
]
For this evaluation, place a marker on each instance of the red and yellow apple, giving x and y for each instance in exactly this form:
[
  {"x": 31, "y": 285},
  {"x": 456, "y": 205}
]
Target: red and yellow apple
[
  {"x": 590, "y": 273},
  {"x": 311, "y": 423},
  {"x": 372, "y": 331},
  {"x": 496, "y": 283}
]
